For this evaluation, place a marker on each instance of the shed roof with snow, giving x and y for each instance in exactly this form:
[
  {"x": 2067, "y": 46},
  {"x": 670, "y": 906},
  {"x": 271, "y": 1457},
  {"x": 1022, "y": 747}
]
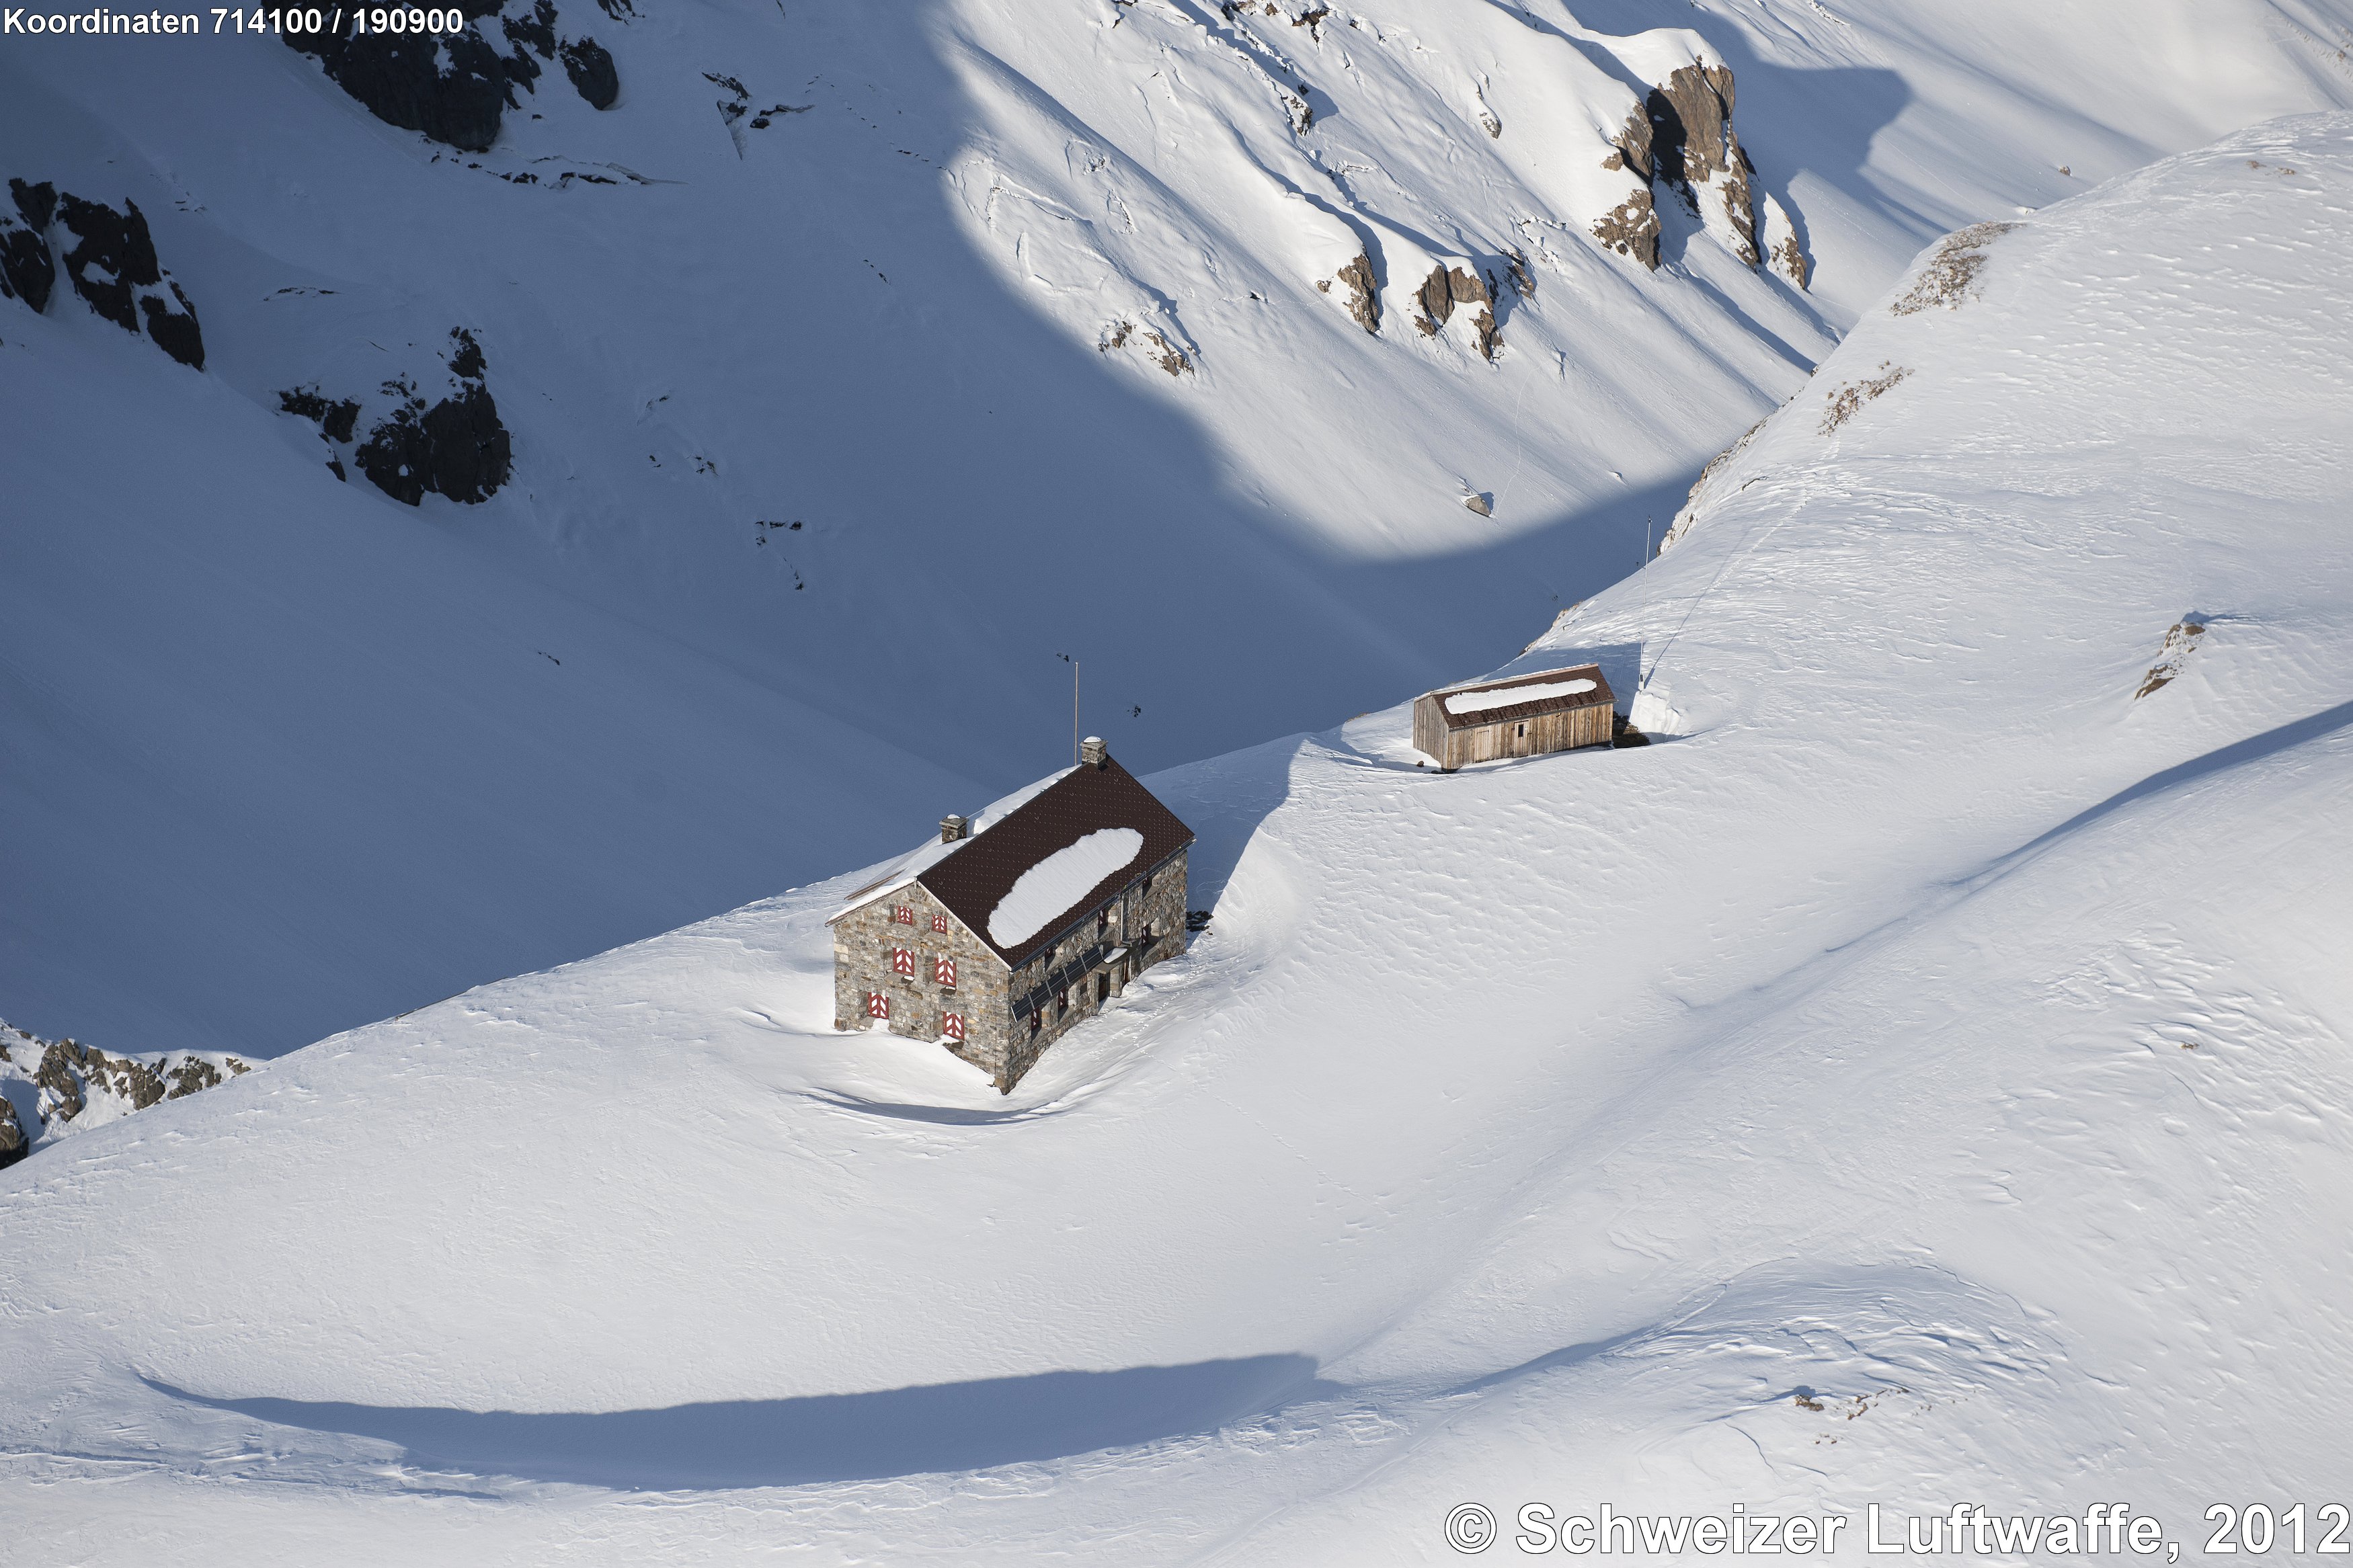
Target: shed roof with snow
[
  {"x": 1525, "y": 716},
  {"x": 1041, "y": 858},
  {"x": 1523, "y": 696}
]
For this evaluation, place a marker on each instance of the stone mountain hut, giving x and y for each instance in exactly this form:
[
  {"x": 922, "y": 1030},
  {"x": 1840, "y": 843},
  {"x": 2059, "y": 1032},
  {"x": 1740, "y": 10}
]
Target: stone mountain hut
[
  {"x": 996, "y": 939},
  {"x": 1551, "y": 711}
]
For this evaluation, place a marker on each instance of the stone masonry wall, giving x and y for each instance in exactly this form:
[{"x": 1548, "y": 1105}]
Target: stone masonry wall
[
  {"x": 998, "y": 1039},
  {"x": 1159, "y": 907},
  {"x": 862, "y": 944}
]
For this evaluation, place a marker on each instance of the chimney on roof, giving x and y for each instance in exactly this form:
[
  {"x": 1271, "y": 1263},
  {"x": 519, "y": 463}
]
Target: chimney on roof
[
  {"x": 1093, "y": 752},
  {"x": 954, "y": 827}
]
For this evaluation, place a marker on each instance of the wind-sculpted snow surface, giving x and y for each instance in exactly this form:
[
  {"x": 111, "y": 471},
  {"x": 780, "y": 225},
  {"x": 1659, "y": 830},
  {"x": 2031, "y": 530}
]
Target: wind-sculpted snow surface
[
  {"x": 1924, "y": 1080},
  {"x": 836, "y": 367}
]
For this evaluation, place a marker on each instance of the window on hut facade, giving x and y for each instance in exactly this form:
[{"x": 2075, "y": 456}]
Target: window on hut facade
[
  {"x": 902, "y": 961},
  {"x": 904, "y": 914},
  {"x": 944, "y": 971},
  {"x": 939, "y": 922},
  {"x": 952, "y": 1025},
  {"x": 878, "y": 1004}
]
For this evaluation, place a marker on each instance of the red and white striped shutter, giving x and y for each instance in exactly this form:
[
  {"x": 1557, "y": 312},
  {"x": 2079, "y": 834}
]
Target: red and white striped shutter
[
  {"x": 939, "y": 922},
  {"x": 944, "y": 971},
  {"x": 952, "y": 1025},
  {"x": 904, "y": 914},
  {"x": 902, "y": 961},
  {"x": 878, "y": 1004}
]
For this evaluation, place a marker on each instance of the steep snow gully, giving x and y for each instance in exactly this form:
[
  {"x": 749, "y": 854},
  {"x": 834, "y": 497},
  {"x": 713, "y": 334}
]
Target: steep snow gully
[
  {"x": 1921, "y": 1078},
  {"x": 475, "y": 503}
]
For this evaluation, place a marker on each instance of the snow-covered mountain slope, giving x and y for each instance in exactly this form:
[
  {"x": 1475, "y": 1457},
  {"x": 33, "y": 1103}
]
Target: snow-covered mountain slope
[
  {"x": 1923, "y": 1077},
  {"x": 815, "y": 440}
]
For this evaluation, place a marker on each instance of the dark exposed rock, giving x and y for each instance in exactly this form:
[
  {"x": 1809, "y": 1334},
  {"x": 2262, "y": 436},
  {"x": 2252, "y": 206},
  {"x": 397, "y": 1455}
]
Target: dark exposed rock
[
  {"x": 1446, "y": 287},
  {"x": 591, "y": 69},
  {"x": 1951, "y": 274},
  {"x": 456, "y": 448},
  {"x": 1632, "y": 146},
  {"x": 1786, "y": 253},
  {"x": 1692, "y": 144},
  {"x": 112, "y": 266},
  {"x": 61, "y": 1088},
  {"x": 193, "y": 1074},
  {"x": 1631, "y": 229},
  {"x": 26, "y": 268},
  {"x": 1683, "y": 136},
  {"x": 536, "y": 27},
  {"x": 1524, "y": 279},
  {"x": 37, "y": 205},
  {"x": 112, "y": 253},
  {"x": 175, "y": 331},
  {"x": 451, "y": 89},
  {"x": 72, "y": 1078},
  {"x": 1364, "y": 295},
  {"x": 338, "y": 419}
]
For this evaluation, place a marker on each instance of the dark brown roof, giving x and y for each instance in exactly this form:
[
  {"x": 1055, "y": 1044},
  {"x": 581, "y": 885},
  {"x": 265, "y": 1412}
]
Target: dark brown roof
[
  {"x": 1599, "y": 696},
  {"x": 975, "y": 878}
]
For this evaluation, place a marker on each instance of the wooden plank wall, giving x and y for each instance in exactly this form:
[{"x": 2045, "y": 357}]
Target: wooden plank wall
[{"x": 1561, "y": 732}]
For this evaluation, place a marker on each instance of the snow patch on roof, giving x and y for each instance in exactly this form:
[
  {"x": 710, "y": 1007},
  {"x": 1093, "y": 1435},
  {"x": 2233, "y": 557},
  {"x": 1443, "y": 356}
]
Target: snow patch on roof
[
  {"x": 1058, "y": 882},
  {"x": 1513, "y": 696},
  {"x": 925, "y": 855}
]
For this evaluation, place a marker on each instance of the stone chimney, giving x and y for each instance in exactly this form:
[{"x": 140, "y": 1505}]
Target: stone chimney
[
  {"x": 954, "y": 827},
  {"x": 1093, "y": 752}
]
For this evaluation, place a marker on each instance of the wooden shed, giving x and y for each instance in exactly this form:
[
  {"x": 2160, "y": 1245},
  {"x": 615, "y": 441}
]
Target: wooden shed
[{"x": 1551, "y": 711}]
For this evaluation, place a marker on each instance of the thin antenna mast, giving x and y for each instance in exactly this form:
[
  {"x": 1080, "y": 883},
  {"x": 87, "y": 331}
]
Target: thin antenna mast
[{"x": 1073, "y": 663}]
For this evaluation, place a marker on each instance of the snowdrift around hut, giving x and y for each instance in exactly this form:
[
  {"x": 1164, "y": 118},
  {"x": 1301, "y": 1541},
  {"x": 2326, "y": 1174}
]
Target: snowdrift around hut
[{"x": 1945, "y": 1095}]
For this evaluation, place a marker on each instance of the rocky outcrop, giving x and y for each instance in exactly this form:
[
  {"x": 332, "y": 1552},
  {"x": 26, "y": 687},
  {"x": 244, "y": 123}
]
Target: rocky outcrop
[
  {"x": 1157, "y": 347},
  {"x": 457, "y": 88},
  {"x": 1446, "y": 287},
  {"x": 1682, "y": 137},
  {"x": 1693, "y": 145},
  {"x": 453, "y": 90},
  {"x": 1784, "y": 252},
  {"x": 592, "y": 71},
  {"x": 1632, "y": 228},
  {"x": 1363, "y": 294},
  {"x": 454, "y": 446},
  {"x": 65, "y": 1083},
  {"x": 112, "y": 267},
  {"x": 27, "y": 269},
  {"x": 110, "y": 259},
  {"x": 1952, "y": 271}
]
